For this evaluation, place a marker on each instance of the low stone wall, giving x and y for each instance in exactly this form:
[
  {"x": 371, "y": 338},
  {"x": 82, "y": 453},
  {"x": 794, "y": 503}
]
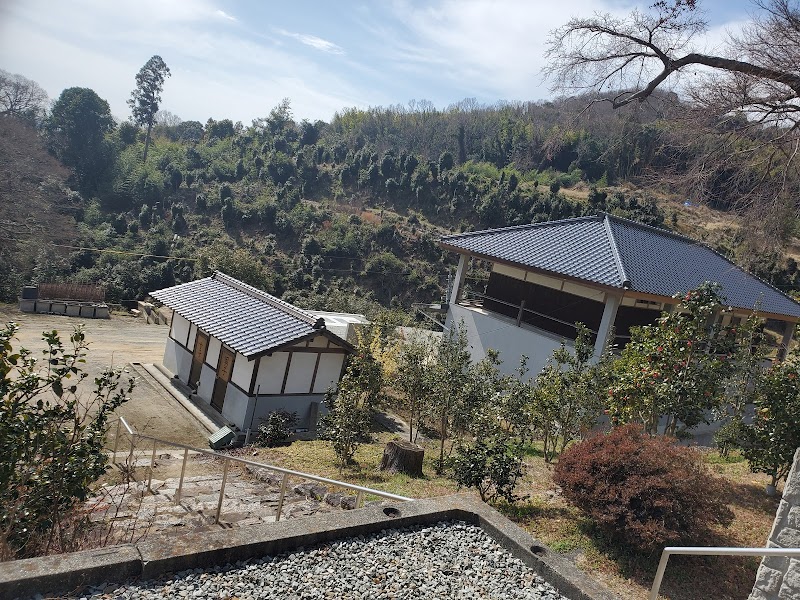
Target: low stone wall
[{"x": 779, "y": 576}]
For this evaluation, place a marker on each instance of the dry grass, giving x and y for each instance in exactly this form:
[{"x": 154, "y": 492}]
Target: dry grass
[{"x": 549, "y": 518}]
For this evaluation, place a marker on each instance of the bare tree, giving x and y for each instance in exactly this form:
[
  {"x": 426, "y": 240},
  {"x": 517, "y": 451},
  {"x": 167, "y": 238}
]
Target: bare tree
[
  {"x": 747, "y": 97},
  {"x": 21, "y": 97}
]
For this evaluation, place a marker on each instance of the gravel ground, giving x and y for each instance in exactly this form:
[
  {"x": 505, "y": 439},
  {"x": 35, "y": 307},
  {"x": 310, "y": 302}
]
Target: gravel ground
[{"x": 447, "y": 560}]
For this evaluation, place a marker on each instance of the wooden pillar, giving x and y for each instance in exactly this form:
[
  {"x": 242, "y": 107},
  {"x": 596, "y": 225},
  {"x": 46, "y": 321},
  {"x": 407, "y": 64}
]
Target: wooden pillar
[
  {"x": 461, "y": 272},
  {"x": 606, "y": 323}
]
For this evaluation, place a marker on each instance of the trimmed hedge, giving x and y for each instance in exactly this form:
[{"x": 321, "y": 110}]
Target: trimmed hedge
[{"x": 644, "y": 491}]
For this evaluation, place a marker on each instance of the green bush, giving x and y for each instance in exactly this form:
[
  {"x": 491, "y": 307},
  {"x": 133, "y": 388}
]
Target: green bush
[
  {"x": 276, "y": 429},
  {"x": 641, "y": 491},
  {"x": 492, "y": 467},
  {"x": 52, "y": 440}
]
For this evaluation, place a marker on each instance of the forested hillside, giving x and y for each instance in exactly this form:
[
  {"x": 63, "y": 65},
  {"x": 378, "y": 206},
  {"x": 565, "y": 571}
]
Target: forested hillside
[{"x": 342, "y": 215}]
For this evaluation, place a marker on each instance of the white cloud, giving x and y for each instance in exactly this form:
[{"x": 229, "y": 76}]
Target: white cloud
[
  {"x": 222, "y": 14},
  {"x": 315, "y": 42}
]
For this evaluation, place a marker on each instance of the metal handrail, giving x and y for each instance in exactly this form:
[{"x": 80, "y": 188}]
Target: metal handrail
[
  {"x": 522, "y": 309},
  {"x": 360, "y": 490},
  {"x": 712, "y": 551}
]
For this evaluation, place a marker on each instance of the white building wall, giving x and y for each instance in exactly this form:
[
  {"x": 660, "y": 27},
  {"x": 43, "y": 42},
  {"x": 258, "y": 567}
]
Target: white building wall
[
  {"x": 328, "y": 371},
  {"x": 235, "y": 407},
  {"x": 180, "y": 328},
  {"x": 485, "y": 332},
  {"x": 205, "y": 387},
  {"x": 212, "y": 356},
  {"x": 242, "y": 371},
  {"x": 192, "y": 337},
  {"x": 300, "y": 372},
  {"x": 177, "y": 360},
  {"x": 271, "y": 370}
]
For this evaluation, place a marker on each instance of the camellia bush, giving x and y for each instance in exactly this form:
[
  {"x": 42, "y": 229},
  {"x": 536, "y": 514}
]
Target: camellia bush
[
  {"x": 52, "y": 437},
  {"x": 640, "y": 490}
]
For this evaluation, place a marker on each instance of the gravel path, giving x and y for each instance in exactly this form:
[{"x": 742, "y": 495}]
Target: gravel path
[{"x": 446, "y": 560}]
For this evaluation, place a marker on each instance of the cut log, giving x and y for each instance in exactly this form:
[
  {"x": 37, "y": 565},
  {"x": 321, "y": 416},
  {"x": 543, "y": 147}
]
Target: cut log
[{"x": 400, "y": 456}]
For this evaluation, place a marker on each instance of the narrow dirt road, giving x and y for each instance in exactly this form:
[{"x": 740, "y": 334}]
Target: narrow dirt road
[{"x": 118, "y": 342}]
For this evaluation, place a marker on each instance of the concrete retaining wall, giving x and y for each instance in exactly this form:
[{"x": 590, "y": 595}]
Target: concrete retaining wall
[
  {"x": 160, "y": 555},
  {"x": 779, "y": 577}
]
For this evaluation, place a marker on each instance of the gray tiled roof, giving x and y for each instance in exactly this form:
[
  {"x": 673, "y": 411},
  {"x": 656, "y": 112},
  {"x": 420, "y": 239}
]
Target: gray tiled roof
[
  {"x": 246, "y": 319},
  {"x": 619, "y": 253}
]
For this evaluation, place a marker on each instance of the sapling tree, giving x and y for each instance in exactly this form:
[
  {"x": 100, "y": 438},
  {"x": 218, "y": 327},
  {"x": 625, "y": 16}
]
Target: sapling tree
[
  {"x": 52, "y": 437},
  {"x": 565, "y": 399},
  {"x": 449, "y": 372},
  {"x": 769, "y": 443},
  {"x": 413, "y": 380},
  {"x": 351, "y": 405},
  {"x": 676, "y": 368}
]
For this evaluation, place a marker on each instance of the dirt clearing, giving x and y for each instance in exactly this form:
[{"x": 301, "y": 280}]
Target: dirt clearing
[{"x": 118, "y": 342}]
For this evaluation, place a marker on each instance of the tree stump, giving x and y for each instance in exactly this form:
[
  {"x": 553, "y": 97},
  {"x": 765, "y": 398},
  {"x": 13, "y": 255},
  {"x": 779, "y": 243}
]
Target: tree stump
[{"x": 400, "y": 456}]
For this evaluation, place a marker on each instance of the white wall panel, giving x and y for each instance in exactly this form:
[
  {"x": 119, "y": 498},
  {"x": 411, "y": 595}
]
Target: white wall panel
[
  {"x": 330, "y": 366},
  {"x": 180, "y": 328},
  {"x": 270, "y": 373},
  {"x": 212, "y": 356},
  {"x": 242, "y": 372},
  {"x": 300, "y": 372}
]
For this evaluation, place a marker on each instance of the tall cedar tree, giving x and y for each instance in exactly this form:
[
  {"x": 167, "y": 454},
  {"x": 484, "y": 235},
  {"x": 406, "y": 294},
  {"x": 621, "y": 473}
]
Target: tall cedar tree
[{"x": 145, "y": 98}]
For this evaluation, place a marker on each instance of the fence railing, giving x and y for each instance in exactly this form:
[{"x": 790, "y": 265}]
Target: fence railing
[
  {"x": 474, "y": 298},
  {"x": 124, "y": 429},
  {"x": 711, "y": 551}
]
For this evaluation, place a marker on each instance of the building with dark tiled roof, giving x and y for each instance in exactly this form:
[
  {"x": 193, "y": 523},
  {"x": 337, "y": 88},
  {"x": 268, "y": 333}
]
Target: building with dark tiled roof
[
  {"x": 609, "y": 273},
  {"x": 248, "y": 353}
]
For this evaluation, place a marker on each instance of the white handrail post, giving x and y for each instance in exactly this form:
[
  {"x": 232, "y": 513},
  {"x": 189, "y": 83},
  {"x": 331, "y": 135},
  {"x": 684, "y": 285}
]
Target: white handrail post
[
  {"x": 116, "y": 439},
  {"x": 662, "y": 566},
  {"x": 281, "y": 496},
  {"x": 152, "y": 466},
  {"x": 183, "y": 472},
  {"x": 130, "y": 452},
  {"x": 222, "y": 489}
]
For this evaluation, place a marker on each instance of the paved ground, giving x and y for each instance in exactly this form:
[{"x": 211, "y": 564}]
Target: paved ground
[{"x": 119, "y": 341}]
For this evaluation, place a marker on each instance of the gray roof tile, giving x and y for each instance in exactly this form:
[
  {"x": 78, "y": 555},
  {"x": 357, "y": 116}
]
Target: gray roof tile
[
  {"x": 246, "y": 319},
  {"x": 616, "y": 252}
]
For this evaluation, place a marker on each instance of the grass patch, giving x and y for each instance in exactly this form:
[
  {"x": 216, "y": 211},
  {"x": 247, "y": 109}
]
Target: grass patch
[{"x": 564, "y": 529}]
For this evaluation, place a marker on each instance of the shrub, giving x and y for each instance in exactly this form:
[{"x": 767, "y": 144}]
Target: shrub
[
  {"x": 640, "y": 490},
  {"x": 276, "y": 429},
  {"x": 52, "y": 438},
  {"x": 492, "y": 467}
]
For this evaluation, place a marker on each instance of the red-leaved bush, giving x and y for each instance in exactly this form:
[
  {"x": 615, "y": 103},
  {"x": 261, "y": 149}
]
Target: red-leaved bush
[{"x": 641, "y": 490}]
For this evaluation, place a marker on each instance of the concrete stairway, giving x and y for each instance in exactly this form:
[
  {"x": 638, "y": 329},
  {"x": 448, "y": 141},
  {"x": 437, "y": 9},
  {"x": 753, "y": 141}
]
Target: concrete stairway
[{"x": 251, "y": 497}]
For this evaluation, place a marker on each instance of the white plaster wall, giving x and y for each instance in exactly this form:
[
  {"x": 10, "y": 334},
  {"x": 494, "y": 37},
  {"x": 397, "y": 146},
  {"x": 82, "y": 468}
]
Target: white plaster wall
[
  {"x": 300, "y": 372},
  {"x": 270, "y": 373},
  {"x": 319, "y": 342},
  {"x": 177, "y": 360},
  {"x": 212, "y": 356},
  {"x": 486, "y": 332},
  {"x": 234, "y": 409},
  {"x": 205, "y": 387},
  {"x": 330, "y": 366},
  {"x": 242, "y": 371},
  {"x": 180, "y": 328},
  {"x": 192, "y": 336}
]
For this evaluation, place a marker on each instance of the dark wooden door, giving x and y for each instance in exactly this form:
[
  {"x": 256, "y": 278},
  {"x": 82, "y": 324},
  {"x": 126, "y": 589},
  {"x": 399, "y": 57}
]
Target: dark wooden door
[
  {"x": 224, "y": 372},
  {"x": 198, "y": 358}
]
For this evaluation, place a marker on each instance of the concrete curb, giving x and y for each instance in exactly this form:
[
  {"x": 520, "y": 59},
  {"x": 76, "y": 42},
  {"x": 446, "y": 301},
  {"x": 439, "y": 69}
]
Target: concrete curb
[{"x": 160, "y": 555}]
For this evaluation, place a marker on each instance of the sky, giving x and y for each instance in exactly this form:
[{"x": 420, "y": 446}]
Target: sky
[{"x": 238, "y": 59}]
